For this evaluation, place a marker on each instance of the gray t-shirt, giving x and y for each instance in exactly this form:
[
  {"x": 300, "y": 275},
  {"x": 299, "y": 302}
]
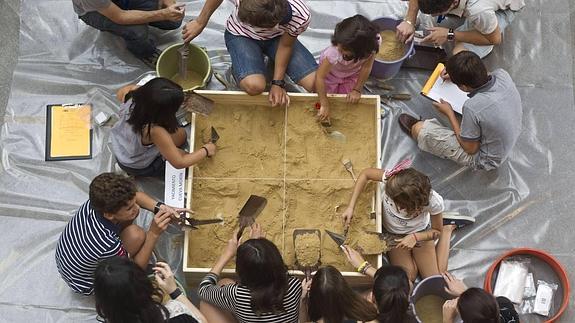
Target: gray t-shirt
[
  {"x": 492, "y": 115},
  {"x": 127, "y": 145},
  {"x": 81, "y": 7}
]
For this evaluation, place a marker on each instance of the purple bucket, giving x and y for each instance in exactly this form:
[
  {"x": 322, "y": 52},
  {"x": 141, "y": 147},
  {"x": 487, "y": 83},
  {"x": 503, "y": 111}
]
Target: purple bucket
[
  {"x": 384, "y": 69},
  {"x": 432, "y": 285}
]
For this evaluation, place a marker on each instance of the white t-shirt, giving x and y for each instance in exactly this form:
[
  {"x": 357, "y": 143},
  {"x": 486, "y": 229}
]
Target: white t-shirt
[
  {"x": 481, "y": 13},
  {"x": 398, "y": 222}
]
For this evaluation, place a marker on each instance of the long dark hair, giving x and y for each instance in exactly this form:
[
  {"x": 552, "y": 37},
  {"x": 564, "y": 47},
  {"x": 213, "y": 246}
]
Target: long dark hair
[
  {"x": 477, "y": 306},
  {"x": 156, "y": 103},
  {"x": 124, "y": 294},
  {"x": 358, "y": 35},
  {"x": 391, "y": 291},
  {"x": 331, "y": 299},
  {"x": 261, "y": 268}
]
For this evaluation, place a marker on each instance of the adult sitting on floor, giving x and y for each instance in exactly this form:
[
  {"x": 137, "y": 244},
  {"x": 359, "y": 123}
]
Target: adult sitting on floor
[
  {"x": 491, "y": 120},
  {"x": 264, "y": 27},
  {"x": 103, "y": 228},
  {"x": 129, "y": 19},
  {"x": 474, "y": 25}
]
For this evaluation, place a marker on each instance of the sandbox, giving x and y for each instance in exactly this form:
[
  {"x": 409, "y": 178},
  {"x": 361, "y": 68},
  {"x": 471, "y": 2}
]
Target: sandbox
[{"x": 286, "y": 156}]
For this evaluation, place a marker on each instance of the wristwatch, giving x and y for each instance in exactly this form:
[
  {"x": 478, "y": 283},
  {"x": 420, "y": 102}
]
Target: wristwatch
[
  {"x": 280, "y": 83},
  {"x": 450, "y": 35},
  {"x": 157, "y": 207}
]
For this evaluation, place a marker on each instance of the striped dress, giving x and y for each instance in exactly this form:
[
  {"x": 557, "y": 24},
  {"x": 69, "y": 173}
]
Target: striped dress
[
  {"x": 237, "y": 299},
  {"x": 298, "y": 23},
  {"x": 87, "y": 239}
]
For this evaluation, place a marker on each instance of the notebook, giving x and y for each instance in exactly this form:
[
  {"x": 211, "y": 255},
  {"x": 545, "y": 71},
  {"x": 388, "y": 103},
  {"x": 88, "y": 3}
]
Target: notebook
[
  {"x": 68, "y": 132},
  {"x": 436, "y": 88}
]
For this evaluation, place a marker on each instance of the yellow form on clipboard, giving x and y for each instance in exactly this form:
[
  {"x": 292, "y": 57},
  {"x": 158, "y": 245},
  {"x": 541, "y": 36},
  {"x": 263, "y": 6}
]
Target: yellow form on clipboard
[{"x": 69, "y": 132}]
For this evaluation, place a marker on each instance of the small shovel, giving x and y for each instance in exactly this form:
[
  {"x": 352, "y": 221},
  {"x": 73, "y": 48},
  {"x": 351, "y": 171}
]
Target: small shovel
[
  {"x": 396, "y": 96},
  {"x": 349, "y": 167},
  {"x": 184, "y": 51},
  {"x": 195, "y": 102},
  {"x": 251, "y": 209},
  {"x": 214, "y": 137},
  {"x": 338, "y": 238},
  {"x": 307, "y": 269}
]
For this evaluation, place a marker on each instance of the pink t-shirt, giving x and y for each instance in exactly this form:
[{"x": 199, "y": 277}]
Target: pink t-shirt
[{"x": 340, "y": 68}]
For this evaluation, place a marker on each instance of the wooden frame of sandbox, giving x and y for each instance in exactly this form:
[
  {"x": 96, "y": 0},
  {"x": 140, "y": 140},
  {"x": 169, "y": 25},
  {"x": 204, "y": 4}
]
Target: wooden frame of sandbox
[{"x": 233, "y": 98}]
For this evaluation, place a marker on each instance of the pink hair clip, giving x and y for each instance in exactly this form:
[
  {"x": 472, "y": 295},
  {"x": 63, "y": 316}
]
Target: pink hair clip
[{"x": 404, "y": 164}]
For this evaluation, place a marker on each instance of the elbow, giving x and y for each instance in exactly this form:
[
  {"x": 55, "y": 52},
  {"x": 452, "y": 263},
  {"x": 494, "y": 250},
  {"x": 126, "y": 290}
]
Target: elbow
[{"x": 496, "y": 38}]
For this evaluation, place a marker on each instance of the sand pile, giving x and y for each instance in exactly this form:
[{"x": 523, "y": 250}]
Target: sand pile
[
  {"x": 367, "y": 243},
  {"x": 390, "y": 48},
  {"x": 307, "y": 249}
]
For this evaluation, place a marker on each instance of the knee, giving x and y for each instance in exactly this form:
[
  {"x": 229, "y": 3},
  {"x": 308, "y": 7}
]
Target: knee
[
  {"x": 253, "y": 87},
  {"x": 133, "y": 238}
]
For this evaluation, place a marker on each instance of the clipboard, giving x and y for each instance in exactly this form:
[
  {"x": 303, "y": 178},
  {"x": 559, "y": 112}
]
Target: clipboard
[
  {"x": 68, "y": 131},
  {"x": 435, "y": 89}
]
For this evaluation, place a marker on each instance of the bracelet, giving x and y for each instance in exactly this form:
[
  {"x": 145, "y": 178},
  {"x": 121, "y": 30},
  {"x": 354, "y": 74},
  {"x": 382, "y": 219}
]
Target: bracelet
[
  {"x": 362, "y": 266},
  {"x": 364, "y": 271},
  {"x": 175, "y": 294},
  {"x": 207, "y": 153},
  {"x": 358, "y": 91},
  {"x": 414, "y": 236},
  {"x": 409, "y": 22},
  {"x": 157, "y": 207}
]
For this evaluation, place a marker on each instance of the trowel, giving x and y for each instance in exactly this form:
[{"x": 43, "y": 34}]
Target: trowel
[
  {"x": 338, "y": 238},
  {"x": 184, "y": 51},
  {"x": 251, "y": 209},
  {"x": 307, "y": 270},
  {"x": 195, "y": 102},
  {"x": 214, "y": 137}
]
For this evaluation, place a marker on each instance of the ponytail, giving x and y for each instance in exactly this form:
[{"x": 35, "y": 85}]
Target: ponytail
[{"x": 391, "y": 291}]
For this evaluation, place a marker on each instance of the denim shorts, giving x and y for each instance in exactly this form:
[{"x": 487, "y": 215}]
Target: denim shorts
[{"x": 248, "y": 57}]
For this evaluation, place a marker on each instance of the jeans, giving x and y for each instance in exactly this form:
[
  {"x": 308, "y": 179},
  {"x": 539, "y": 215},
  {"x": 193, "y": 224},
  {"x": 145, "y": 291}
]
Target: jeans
[
  {"x": 248, "y": 57},
  {"x": 136, "y": 36}
]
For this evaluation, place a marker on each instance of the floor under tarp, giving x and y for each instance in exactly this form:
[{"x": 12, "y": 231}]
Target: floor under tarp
[{"x": 528, "y": 202}]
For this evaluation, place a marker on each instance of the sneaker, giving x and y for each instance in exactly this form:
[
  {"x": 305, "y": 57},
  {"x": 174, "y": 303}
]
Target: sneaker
[
  {"x": 457, "y": 219},
  {"x": 406, "y": 123}
]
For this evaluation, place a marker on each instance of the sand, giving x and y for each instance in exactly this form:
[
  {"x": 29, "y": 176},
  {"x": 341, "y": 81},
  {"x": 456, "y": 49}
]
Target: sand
[
  {"x": 367, "y": 244},
  {"x": 307, "y": 249},
  {"x": 284, "y": 156},
  {"x": 390, "y": 48},
  {"x": 429, "y": 309},
  {"x": 192, "y": 79}
]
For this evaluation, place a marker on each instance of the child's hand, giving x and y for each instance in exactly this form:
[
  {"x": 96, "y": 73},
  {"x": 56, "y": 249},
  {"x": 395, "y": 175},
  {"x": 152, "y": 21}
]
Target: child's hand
[
  {"x": 232, "y": 247},
  {"x": 323, "y": 113},
  {"x": 165, "y": 277},
  {"x": 407, "y": 242},
  {"x": 121, "y": 94},
  {"x": 454, "y": 286},
  {"x": 256, "y": 231},
  {"x": 211, "y": 149},
  {"x": 354, "y": 257},
  {"x": 449, "y": 310},
  {"x": 346, "y": 216},
  {"x": 444, "y": 75},
  {"x": 305, "y": 286},
  {"x": 353, "y": 96},
  {"x": 160, "y": 222}
]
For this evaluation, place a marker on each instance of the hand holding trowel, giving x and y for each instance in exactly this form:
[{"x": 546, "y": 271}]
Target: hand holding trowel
[{"x": 251, "y": 209}]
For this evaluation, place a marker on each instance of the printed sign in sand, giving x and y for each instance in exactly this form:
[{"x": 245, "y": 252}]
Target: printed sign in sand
[{"x": 287, "y": 157}]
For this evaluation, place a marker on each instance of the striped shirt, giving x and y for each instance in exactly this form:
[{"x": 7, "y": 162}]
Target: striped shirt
[
  {"x": 86, "y": 239},
  {"x": 300, "y": 19},
  {"x": 237, "y": 299}
]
